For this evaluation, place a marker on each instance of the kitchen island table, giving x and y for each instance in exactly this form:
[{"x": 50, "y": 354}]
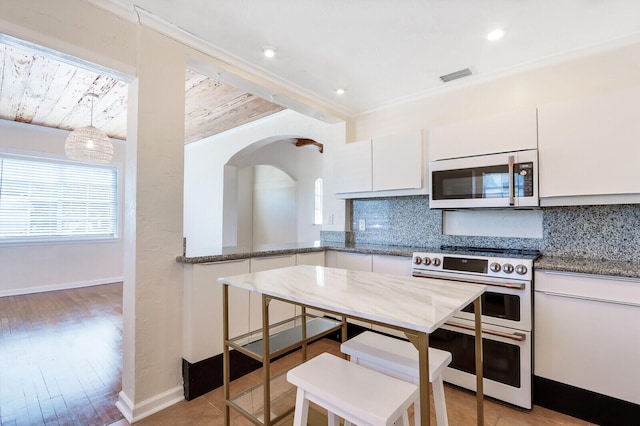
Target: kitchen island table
[{"x": 417, "y": 306}]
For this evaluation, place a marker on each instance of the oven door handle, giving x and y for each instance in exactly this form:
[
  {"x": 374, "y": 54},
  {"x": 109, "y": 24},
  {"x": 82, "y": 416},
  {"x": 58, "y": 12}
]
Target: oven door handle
[
  {"x": 519, "y": 337},
  {"x": 512, "y": 197},
  {"x": 510, "y": 284}
]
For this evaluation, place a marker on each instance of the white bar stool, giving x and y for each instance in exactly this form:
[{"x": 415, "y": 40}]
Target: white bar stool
[
  {"x": 399, "y": 358},
  {"x": 357, "y": 394}
]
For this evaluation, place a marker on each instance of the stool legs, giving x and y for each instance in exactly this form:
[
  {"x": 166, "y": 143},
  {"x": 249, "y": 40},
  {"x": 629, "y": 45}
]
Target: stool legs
[
  {"x": 439, "y": 402},
  {"x": 301, "y": 414}
]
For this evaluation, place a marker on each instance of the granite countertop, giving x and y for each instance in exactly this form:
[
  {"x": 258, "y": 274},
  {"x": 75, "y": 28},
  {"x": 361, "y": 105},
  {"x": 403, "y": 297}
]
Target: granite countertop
[
  {"x": 588, "y": 266},
  {"x": 551, "y": 263},
  {"x": 235, "y": 253}
]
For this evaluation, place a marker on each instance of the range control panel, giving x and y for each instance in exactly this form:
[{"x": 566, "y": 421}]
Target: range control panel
[{"x": 498, "y": 267}]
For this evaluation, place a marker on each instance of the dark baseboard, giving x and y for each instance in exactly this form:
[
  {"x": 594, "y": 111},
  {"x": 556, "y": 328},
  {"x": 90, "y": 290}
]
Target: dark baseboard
[
  {"x": 583, "y": 404},
  {"x": 206, "y": 375}
]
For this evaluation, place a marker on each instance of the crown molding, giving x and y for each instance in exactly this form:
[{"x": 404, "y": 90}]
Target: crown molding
[{"x": 231, "y": 64}]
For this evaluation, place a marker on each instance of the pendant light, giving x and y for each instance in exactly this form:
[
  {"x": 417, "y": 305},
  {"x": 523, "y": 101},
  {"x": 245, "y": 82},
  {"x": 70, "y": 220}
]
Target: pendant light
[{"x": 89, "y": 144}]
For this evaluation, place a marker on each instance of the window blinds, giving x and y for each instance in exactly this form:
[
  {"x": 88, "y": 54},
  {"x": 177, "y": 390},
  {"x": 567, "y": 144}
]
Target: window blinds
[{"x": 41, "y": 200}]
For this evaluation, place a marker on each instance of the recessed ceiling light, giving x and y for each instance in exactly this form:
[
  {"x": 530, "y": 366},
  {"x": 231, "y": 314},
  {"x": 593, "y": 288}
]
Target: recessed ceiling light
[
  {"x": 340, "y": 91},
  {"x": 269, "y": 52},
  {"x": 496, "y": 34}
]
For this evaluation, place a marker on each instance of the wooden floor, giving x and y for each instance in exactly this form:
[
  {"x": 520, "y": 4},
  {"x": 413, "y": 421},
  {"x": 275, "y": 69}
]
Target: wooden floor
[
  {"x": 60, "y": 364},
  {"x": 461, "y": 408},
  {"x": 61, "y": 357}
]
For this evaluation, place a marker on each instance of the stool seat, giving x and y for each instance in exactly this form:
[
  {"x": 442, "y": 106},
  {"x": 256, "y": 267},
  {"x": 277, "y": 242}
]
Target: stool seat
[
  {"x": 399, "y": 358},
  {"x": 357, "y": 394}
]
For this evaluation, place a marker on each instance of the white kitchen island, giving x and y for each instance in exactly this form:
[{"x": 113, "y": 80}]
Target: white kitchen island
[{"x": 417, "y": 306}]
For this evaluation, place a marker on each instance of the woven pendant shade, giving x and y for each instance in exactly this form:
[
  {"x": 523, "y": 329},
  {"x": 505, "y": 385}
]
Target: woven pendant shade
[{"x": 89, "y": 144}]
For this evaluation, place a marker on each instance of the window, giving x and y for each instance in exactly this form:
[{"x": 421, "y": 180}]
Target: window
[
  {"x": 55, "y": 201},
  {"x": 317, "y": 210}
]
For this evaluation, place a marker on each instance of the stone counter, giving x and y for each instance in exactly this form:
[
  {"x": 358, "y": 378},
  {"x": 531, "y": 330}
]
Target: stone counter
[
  {"x": 588, "y": 266},
  {"x": 235, "y": 253},
  {"x": 552, "y": 263}
]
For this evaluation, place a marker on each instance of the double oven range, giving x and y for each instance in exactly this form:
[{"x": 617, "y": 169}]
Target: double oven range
[{"x": 507, "y": 318}]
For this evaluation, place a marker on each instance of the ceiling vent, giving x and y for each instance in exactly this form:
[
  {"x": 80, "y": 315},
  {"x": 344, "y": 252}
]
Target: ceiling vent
[{"x": 456, "y": 75}]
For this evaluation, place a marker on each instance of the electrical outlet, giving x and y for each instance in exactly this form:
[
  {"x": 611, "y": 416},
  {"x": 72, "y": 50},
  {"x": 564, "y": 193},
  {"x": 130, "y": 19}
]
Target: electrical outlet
[{"x": 361, "y": 225}]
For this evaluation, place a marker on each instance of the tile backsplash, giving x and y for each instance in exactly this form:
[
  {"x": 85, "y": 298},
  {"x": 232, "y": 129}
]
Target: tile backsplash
[{"x": 609, "y": 232}]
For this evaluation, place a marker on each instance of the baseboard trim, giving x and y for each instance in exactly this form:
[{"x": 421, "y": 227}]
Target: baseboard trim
[
  {"x": 206, "y": 375},
  {"x": 63, "y": 286},
  {"x": 146, "y": 408},
  {"x": 584, "y": 404}
]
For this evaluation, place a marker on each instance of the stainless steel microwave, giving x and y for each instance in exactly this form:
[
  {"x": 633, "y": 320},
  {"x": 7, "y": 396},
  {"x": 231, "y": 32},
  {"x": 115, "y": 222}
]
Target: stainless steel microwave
[{"x": 497, "y": 180}]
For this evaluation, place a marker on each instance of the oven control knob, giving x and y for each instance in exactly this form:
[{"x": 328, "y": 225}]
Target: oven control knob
[
  {"x": 417, "y": 260},
  {"x": 495, "y": 267},
  {"x": 426, "y": 261},
  {"x": 507, "y": 268},
  {"x": 436, "y": 261},
  {"x": 521, "y": 269}
]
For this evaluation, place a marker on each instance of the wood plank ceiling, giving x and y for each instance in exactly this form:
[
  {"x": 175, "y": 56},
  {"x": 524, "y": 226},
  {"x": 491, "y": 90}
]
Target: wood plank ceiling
[{"x": 43, "y": 91}]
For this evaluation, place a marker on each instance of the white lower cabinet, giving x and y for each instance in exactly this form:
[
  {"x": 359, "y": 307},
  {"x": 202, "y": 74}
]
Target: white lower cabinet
[
  {"x": 354, "y": 261},
  {"x": 396, "y": 265},
  {"x": 587, "y": 332},
  {"x": 202, "y": 308},
  {"x": 278, "y": 311}
]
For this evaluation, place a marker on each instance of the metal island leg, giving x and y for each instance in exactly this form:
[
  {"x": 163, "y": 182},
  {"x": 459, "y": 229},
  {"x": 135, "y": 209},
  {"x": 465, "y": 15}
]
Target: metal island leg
[
  {"x": 423, "y": 362},
  {"x": 479, "y": 385},
  {"x": 225, "y": 352}
]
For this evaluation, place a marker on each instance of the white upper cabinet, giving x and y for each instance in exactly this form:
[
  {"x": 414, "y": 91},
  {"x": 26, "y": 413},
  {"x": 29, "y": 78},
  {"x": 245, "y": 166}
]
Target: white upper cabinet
[
  {"x": 353, "y": 167},
  {"x": 390, "y": 165},
  {"x": 590, "y": 147},
  {"x": 512, "y": 131},
  {"x": 398, "y": 161}
]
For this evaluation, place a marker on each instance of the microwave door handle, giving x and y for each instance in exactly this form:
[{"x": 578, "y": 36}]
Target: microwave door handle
[{"x": 512, "y": 198}]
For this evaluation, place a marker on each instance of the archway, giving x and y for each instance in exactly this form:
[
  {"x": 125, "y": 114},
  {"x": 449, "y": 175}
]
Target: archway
[{"x": 269, "y": 193}]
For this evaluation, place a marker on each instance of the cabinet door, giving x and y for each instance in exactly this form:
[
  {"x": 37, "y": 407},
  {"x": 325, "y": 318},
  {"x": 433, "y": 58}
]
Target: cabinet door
[
  {"x": 586, "y": 333},
  {"x": 589, "y": 146},
  {"x": 202, "y": 308},
  {"x": 398, "y": 161},
  {"x": 278, "y": 310},
  {"x": 314, "y": 258},
  {"x": 512, "y": 131},
  {"x": 354, "y": 261},
  {"x": 352, "y": 167},
  {"x": 396, "y": 265}
]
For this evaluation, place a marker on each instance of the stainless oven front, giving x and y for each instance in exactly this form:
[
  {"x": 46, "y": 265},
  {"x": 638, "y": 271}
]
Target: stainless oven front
[
  {"x": 506, "y": 322},
  {"x": 507, "y": 302},
  {"x": 506, "y": 359}
]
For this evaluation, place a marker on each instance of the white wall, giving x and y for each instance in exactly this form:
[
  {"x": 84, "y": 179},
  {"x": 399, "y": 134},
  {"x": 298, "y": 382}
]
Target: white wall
[
  {"x": 28, "y": 268},
  {"x": 205, "y": 174},
  {"x": 152, "y": 305},
  {"x": 275, "y": 209},
  {"x": 303, "y": 165}
]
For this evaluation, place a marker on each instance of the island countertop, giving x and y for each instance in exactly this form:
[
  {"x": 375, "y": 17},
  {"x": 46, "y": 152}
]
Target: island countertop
[{"x": 413, "y": 303}]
